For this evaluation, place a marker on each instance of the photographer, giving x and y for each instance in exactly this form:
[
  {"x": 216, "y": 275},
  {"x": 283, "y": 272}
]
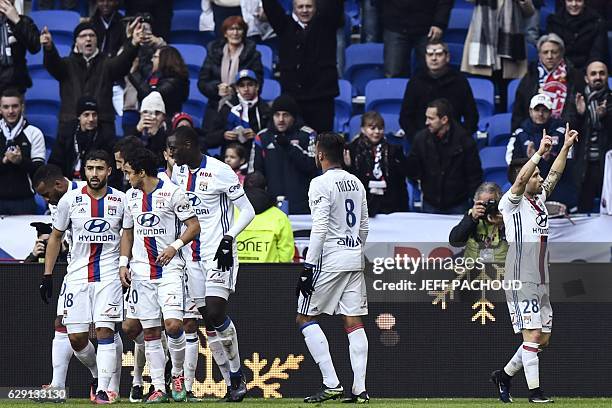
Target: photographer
[
  {"x": 481, "y": 230},
  {"x": 43, "y": 230}
]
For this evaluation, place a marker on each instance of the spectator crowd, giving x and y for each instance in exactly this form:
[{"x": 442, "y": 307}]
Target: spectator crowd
[{"x": 122, "y": 64}]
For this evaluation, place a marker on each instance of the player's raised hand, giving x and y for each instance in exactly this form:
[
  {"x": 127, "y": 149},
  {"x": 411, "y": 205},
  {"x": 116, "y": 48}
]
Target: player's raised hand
[
  {"x": 46, "y": 40},
  {"x": 305, "y": 282},
  {"x": 224, "y": 255},
  {"x": 166, "y": 256},
  {"x": 125, "y": 275},
  {"x": 46, "y": 288},
  {"x": 545, "y": 143},
  {"x": 571, "y": 136}
]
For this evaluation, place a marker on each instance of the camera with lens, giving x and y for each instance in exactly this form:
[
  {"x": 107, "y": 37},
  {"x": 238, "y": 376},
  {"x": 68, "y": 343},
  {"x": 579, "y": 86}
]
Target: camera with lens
[{"x": 491, "y": 207}]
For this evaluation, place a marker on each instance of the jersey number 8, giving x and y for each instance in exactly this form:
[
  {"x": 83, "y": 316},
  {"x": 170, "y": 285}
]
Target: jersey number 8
[{"x": 351, "y": 218}]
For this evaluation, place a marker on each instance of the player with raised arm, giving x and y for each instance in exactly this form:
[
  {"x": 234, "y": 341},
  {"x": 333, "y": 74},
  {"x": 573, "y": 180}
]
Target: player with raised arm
[
  {"x": 155, "y": 273},
  {"x": 212, "y": 263},
  {"x": 526, "y": 221},
  {"x": 92, "y": 291},
  {"x": 332, "y": 281}
]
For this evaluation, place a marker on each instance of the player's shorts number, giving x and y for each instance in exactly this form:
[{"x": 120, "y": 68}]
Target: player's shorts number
[
  {"x": 134, "y": 296},
  {"x": 535, "y": 307},
  {"x": 349, "y": 206},
  {"x": 68, "y": 302}
]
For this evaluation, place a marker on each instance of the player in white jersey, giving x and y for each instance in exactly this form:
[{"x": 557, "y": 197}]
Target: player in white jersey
[
  {"x": 332, "y": 281},
  {"x": 50, "y": 183},
  {"x": 155, "y": 273},
  {"x": 526, "y": 222},
  {"x": 92, "y": 291},
  {"x": 192, "y": 314},
  {"x": 212, "y": 264}
]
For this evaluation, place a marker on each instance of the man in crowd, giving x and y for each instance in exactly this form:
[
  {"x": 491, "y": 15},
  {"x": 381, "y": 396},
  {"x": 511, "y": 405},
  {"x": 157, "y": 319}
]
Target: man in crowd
[
  {"x": 550, "y": 75},
  {"x": 408, "y": 24},
  {"x": 307, "y": 55},
  {"x": 18, "y": 34},
  {"x": 439, "y": 80},
  {"x": 525, "y": 139},
  {"x": 444, "y": 158},
  {"x": 285, "y": 154},
  {"x": 22, "y": 148},
  {"x": 241, "y": 118},
  {"x": 107, "y": 23},
  {"x": 87, "y": 71},
  {"x": 73, "y": 145},
  {"x": 593, "y": 118}
]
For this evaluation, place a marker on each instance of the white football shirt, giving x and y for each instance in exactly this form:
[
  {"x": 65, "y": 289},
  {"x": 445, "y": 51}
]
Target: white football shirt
[
  {"x": 154, "y": 218},
  {"x": 339, "y": 222},
  {"x": 210, "y": 188},
  {"x": 526, "y": 223},
  {"x": 95, "y": 227}
]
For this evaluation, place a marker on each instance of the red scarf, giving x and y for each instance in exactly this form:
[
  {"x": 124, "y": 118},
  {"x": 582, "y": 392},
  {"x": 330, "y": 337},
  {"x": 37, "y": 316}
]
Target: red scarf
[{"x": 554, "y": 84}]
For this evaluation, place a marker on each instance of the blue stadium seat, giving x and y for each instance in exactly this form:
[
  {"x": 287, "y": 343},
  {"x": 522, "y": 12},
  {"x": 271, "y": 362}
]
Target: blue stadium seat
[
  {"x": 364, "y": 62},
  {"x": 196, "y": 104},
  {"x": 267, "y": 57},
  {"x": 352, "y": 10},
  {"x": 493, "y": 161},
  {"x": 493, "y": 157},
  {"x": 499, "y": 129},
  {"x": 512, "y": 87},
  {"x": 271, "y": 90},
  {"x": 35, "y": 62},
  {"x": 187, "y": 5},
  {"x": 484, "y": 94},
  {"x": 185, "y": 28},
  {"x": 385, "y": 95},
  {"x": 456, "y": 54},
  {"x": 610, "y": 82},
  {"x": 458, "y": 24},
  {"x": 193, "y": 55},
  {"x": 532, "y": 52},
  {"x": 287, "y": 4},
  {"x": 344, "y": 107},
  {"x": 414, "y": 196},
  {"x": 47, "y": 124},
  {"x": 463, "y": 4},
  {"x": 43, "y": 97},
  {"x": 61, "y": 23}
]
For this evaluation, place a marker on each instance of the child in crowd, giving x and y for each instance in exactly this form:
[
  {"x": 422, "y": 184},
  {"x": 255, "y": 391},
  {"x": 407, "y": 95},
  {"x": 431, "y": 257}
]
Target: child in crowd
[{"x": 235, "y": 157}]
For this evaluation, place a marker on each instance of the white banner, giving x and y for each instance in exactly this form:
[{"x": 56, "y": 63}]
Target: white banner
[{"x": 585, "y": 238}]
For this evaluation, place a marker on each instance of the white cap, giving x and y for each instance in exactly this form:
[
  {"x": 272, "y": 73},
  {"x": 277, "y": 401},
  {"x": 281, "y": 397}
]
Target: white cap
[
  {"x": 153, "y": 103},
  {"x": 541, "y": 99}
]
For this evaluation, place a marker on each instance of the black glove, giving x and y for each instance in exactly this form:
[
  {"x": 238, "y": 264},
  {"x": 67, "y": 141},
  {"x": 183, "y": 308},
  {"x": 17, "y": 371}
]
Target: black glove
[
  {"x": 282, "y": 140},
  {"x": 305, "y": 282},
  {"x": 224, "y": 255},
  {"x": 46, "y": 288}
]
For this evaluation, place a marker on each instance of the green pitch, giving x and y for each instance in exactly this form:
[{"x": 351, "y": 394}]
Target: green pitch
[{"x": 380, "y": 403}]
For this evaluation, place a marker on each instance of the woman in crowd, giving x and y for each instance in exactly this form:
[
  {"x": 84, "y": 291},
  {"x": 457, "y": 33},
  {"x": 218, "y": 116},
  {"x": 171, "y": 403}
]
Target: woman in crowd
[
  {"x": 379, "y": 165},
  {"x": 226, "y": 56},
  {"x": 169, "y": 76},
  {"x": 582, "y": 30}
]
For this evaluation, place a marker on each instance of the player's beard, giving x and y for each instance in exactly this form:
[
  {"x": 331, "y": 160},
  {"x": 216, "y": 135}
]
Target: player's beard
[{"x": 100, "y": 186}]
